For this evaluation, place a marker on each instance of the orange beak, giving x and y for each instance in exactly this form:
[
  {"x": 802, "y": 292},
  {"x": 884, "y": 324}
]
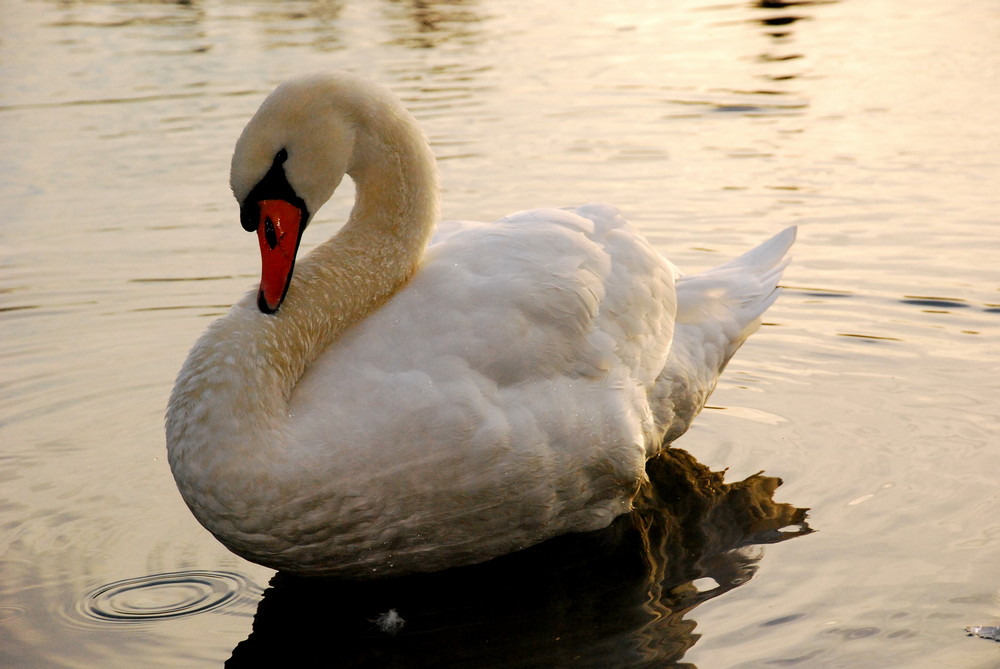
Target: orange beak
[{"x": 278, "y": 233}]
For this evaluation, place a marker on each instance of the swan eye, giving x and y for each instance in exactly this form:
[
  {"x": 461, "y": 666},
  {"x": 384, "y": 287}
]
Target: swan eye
[{"x": 272, "y": 186}]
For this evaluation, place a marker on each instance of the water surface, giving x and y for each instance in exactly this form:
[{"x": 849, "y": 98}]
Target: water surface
[{"x": 871, "y": 391}]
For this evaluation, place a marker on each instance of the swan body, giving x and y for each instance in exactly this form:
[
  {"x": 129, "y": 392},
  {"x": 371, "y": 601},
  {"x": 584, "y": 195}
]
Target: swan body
[{"x": 427, "y": 395}]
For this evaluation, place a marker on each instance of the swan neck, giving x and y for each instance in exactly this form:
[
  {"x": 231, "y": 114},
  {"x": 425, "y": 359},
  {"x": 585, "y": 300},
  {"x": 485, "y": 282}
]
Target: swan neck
[
  {"x": 376, "y": 251},
  {"x": 228, "y": 418},
  {"x": 396, "y": 200}
]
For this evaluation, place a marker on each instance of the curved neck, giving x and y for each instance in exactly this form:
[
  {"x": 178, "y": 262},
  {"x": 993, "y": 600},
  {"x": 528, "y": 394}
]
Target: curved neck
[
  {"x": 232, "y": 394},
  {"x": 344, "y": 279}
]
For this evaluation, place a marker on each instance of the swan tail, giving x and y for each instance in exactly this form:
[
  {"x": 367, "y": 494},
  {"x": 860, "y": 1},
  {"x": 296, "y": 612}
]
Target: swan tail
[{"x": 716, "y": 311}]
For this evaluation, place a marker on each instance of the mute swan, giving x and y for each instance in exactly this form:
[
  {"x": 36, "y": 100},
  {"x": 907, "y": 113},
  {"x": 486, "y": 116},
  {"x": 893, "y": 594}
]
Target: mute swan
[{"x": 402, "y": 407}]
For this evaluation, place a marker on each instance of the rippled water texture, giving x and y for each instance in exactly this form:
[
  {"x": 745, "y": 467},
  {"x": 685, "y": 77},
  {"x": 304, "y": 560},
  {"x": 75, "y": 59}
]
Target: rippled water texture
[
  {"x": 161, "y": 596},
  {"x": 871, "y": 391}
]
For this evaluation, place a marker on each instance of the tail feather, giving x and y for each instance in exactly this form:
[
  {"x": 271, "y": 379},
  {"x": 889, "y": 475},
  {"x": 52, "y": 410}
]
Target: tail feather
[
  {"x": 716, "y": 311},
  {"x": 737, "y": 293}
]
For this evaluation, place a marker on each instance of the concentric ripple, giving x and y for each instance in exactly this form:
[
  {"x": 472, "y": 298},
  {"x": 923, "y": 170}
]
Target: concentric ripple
[
  {"x": 163, "y": 596},
  {"x": 10, "y": 613}
]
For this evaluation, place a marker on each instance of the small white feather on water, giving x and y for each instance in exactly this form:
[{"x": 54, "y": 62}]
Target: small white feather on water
[{"x": 389, "y": 622}]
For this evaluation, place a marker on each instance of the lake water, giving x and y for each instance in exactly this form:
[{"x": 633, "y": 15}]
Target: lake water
[{"x": 872, "y": 392}]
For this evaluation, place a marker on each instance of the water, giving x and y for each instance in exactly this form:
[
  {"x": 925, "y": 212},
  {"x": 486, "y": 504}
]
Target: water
[{"x": 871, "y": 393}]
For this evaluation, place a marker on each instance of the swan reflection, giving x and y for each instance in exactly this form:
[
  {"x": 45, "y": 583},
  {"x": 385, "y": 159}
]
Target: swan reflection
[{"x": 616, "y": 597}]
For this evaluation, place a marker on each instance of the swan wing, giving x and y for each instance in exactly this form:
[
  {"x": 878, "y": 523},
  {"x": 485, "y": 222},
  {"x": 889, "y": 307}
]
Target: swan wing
[{"x": 511, "y": 373}]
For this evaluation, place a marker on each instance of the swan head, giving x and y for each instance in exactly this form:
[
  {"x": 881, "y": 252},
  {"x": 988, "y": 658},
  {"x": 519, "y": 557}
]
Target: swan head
[
  {"x": 307, "y": 135},
  {"x": 288, "y": 161}
]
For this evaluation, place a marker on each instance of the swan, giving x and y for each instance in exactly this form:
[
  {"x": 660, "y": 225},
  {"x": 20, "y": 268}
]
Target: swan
[{"x": 422, "y": 395}]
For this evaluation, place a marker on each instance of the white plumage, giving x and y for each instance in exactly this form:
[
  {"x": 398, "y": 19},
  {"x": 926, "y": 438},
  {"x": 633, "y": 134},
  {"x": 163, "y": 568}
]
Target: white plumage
[{"x": 412, "y": 407}]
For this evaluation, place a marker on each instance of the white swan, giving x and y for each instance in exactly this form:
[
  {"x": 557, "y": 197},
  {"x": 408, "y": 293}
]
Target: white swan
[{"x": 411, "y": 407}]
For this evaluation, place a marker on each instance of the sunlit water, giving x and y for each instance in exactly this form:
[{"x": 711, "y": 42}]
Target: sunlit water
[{"x": 872, "y": 392}]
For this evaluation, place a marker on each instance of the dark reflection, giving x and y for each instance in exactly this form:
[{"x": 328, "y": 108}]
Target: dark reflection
[
  {"x": 785, "y": 4},
  {"x": 940, "y": 302},
  {"x": 613, "y": 598},
  {"x": 778, "y": 18},
  {"x": 431, "y": 23},
  {"x": 778, "y": 63}
]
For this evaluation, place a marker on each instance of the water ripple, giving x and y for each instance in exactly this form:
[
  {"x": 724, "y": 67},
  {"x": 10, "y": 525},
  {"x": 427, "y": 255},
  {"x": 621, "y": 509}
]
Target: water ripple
[
  {"x": 163, "y": 596},
  {"x": 11, "y": 613}
]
